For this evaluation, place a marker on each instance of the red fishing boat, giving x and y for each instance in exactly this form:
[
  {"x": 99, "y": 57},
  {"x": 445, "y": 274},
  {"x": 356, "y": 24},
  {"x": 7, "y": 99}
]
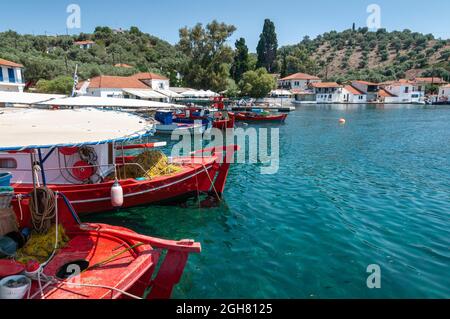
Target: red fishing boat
[
  {"x": 258, "y": 117},
  {"x": 208, "y": 117},
  {"x": 85, "y": 155},
  {"x": 97, "y": 261}
]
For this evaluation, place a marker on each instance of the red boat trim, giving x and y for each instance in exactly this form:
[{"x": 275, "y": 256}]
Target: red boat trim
[{"x": 142, "y": 192}]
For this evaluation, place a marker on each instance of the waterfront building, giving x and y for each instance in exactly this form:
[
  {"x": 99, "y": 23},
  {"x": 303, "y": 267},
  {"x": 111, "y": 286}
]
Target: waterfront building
[
  {"x": 386, "y": 97},
  {"x": 299, "y": 81},
  {"x": 369, "y": 88},
  {"x": 350, "y": 94},
  {"x": 327, "y": 92},
  {"x": 11, "y": 76},
  {"x": 444, "y": 93},
  {"x": 405, "y": 91}
]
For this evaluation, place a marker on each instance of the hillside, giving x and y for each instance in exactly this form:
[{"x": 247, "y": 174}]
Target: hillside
[
  {"x": 374, "y": 56},
  {"x": 47, "y": 57},
  {"x": 350, "y": 54}
]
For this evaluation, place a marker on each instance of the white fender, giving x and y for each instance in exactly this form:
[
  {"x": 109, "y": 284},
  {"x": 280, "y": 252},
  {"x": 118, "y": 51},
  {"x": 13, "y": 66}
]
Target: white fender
[{"x": 117, "y": 195}]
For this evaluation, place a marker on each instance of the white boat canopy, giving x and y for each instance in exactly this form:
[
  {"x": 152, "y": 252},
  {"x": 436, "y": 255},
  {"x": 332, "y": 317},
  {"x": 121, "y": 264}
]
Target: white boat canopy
[
  {"x": 26, "y": 98},
  {"x": 145, "y": 93},
  {"x": 22, "y": 129},
  {"x": 89, "y": 101}
]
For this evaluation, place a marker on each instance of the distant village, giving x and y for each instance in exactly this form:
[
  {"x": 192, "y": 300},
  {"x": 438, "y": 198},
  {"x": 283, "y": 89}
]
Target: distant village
[
  {"x": 300, "y": 88},
  {"x": 305, "y": 89}
]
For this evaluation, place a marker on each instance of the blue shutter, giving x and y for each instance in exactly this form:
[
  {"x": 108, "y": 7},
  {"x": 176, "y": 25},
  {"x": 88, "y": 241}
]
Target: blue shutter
[
  {"x": 1, "y": 74},
  {"x": 11, "y": 75}
]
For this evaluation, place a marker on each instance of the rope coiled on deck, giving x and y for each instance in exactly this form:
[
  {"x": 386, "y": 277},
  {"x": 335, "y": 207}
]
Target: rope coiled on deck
[{"x": 43, "y": 211}]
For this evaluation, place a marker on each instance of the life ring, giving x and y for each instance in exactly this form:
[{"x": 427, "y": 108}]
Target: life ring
[
  {"x": 83, "y": 170},
  {"x": 68, "y": 151}
]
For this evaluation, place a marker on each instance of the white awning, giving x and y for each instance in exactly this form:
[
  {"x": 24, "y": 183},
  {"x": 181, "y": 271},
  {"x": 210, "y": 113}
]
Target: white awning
[
  {"x": 145, "y": 93},
  {"x": 26, "y": 98},
  {"x": 280, "y": 93},
  {"x": 191, "y": 93},
  {"x": 37, "y": 128},
  {"x": 169, "y": 93},
  {"x": 89, "y": 101}
]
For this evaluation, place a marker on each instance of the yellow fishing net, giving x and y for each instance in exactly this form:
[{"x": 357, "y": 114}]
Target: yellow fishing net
[
  {"x": 40, "y": 247},
  {"x": 155, "y": 163}
]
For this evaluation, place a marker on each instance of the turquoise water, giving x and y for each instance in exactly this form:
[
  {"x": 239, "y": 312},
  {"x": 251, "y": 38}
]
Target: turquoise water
[{"x": 375, "y": 191}]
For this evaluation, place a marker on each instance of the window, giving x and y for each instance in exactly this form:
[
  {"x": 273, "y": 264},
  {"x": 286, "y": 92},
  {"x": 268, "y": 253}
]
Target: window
[
  {"x": 1, "y": 74},
  {"x": 11, "y": 75},
  {"x": 407, "y": 89},
  {"x": 8, "y": 163}
]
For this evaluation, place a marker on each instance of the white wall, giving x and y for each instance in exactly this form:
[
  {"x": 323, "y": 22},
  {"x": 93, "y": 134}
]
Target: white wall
[
  {"x": 405, "y": 93},
  {"x": 5, "y": 85},
  {"x": 117, "y": 93},
  {"x": 298, "y": 84},
  {"x": 444, "y": 93}
]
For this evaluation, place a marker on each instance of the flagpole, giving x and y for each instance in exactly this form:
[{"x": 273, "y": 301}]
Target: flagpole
[{"x": 75, "y": 81}]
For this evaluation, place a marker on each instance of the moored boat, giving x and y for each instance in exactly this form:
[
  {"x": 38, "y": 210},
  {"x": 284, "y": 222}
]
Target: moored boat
[
  {"x": 209, "y": 117},
  {"x": 86, "y": 261},
  {"x": 168, "y": 126},
  {"x": 75, "y": 158},
  {"x": 258, "y": 117}
]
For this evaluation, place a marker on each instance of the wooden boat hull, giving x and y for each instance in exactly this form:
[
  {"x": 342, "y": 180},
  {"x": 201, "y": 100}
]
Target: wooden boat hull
[
  {"x": 199, "y": 175},
  {"x": 118, "y": 263},
  {"x": 248, "y": 117}
]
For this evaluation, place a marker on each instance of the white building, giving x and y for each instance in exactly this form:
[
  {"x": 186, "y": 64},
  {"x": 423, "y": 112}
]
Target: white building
[
  {"x": 386, "y": 97},
  {"x": 444, "y": 93},
  {"x": 11, "y": 76},
  {"x": 351, "y": 94},
  {"x": 300, "y": 81},
  {"x": 327, "y": 92},
  {"x": 145, "y": 86},
  {"x": 405, "y": 91},
  {"x": 84, "y": 44},
  {"x": 369, "y": 88}
]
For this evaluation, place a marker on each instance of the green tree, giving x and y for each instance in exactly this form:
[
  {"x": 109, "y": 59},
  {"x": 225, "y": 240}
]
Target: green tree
[
  {"x": 241, "y": 62},
  {"x": 59, "y": 85},
  {"x": 209, "y": 59},
  {"x": 267, "y": 47},
  {"x": 257, "y": 84}
]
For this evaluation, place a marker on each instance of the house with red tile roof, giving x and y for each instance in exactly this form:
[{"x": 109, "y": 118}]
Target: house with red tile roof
[
  {"x": 350, "y": 94},
  {"x": 327, "y": 92},
  {"x": 297, "y": 81},
  {"x": 11, "y": 76},
  {"x": 405, "y": 91},
  {"x": 369, "y": 88},
  {"x": 386, "y": 97},
  {"x": 84, "y": 44},
  {"x": 138, "y": 86}
]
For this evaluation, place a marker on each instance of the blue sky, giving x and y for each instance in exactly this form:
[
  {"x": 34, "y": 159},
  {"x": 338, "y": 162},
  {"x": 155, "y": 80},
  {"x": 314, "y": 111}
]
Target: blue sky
[{"x": 293, "y": 18}]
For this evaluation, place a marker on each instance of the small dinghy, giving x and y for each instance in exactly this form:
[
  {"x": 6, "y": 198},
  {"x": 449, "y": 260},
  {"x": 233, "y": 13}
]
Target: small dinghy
[
  {"x": 168, "y": 126},
  {"x": 258, "y": 117}
]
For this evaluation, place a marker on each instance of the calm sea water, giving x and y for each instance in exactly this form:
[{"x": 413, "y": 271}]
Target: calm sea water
[{"x": 375, "y": 191}]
